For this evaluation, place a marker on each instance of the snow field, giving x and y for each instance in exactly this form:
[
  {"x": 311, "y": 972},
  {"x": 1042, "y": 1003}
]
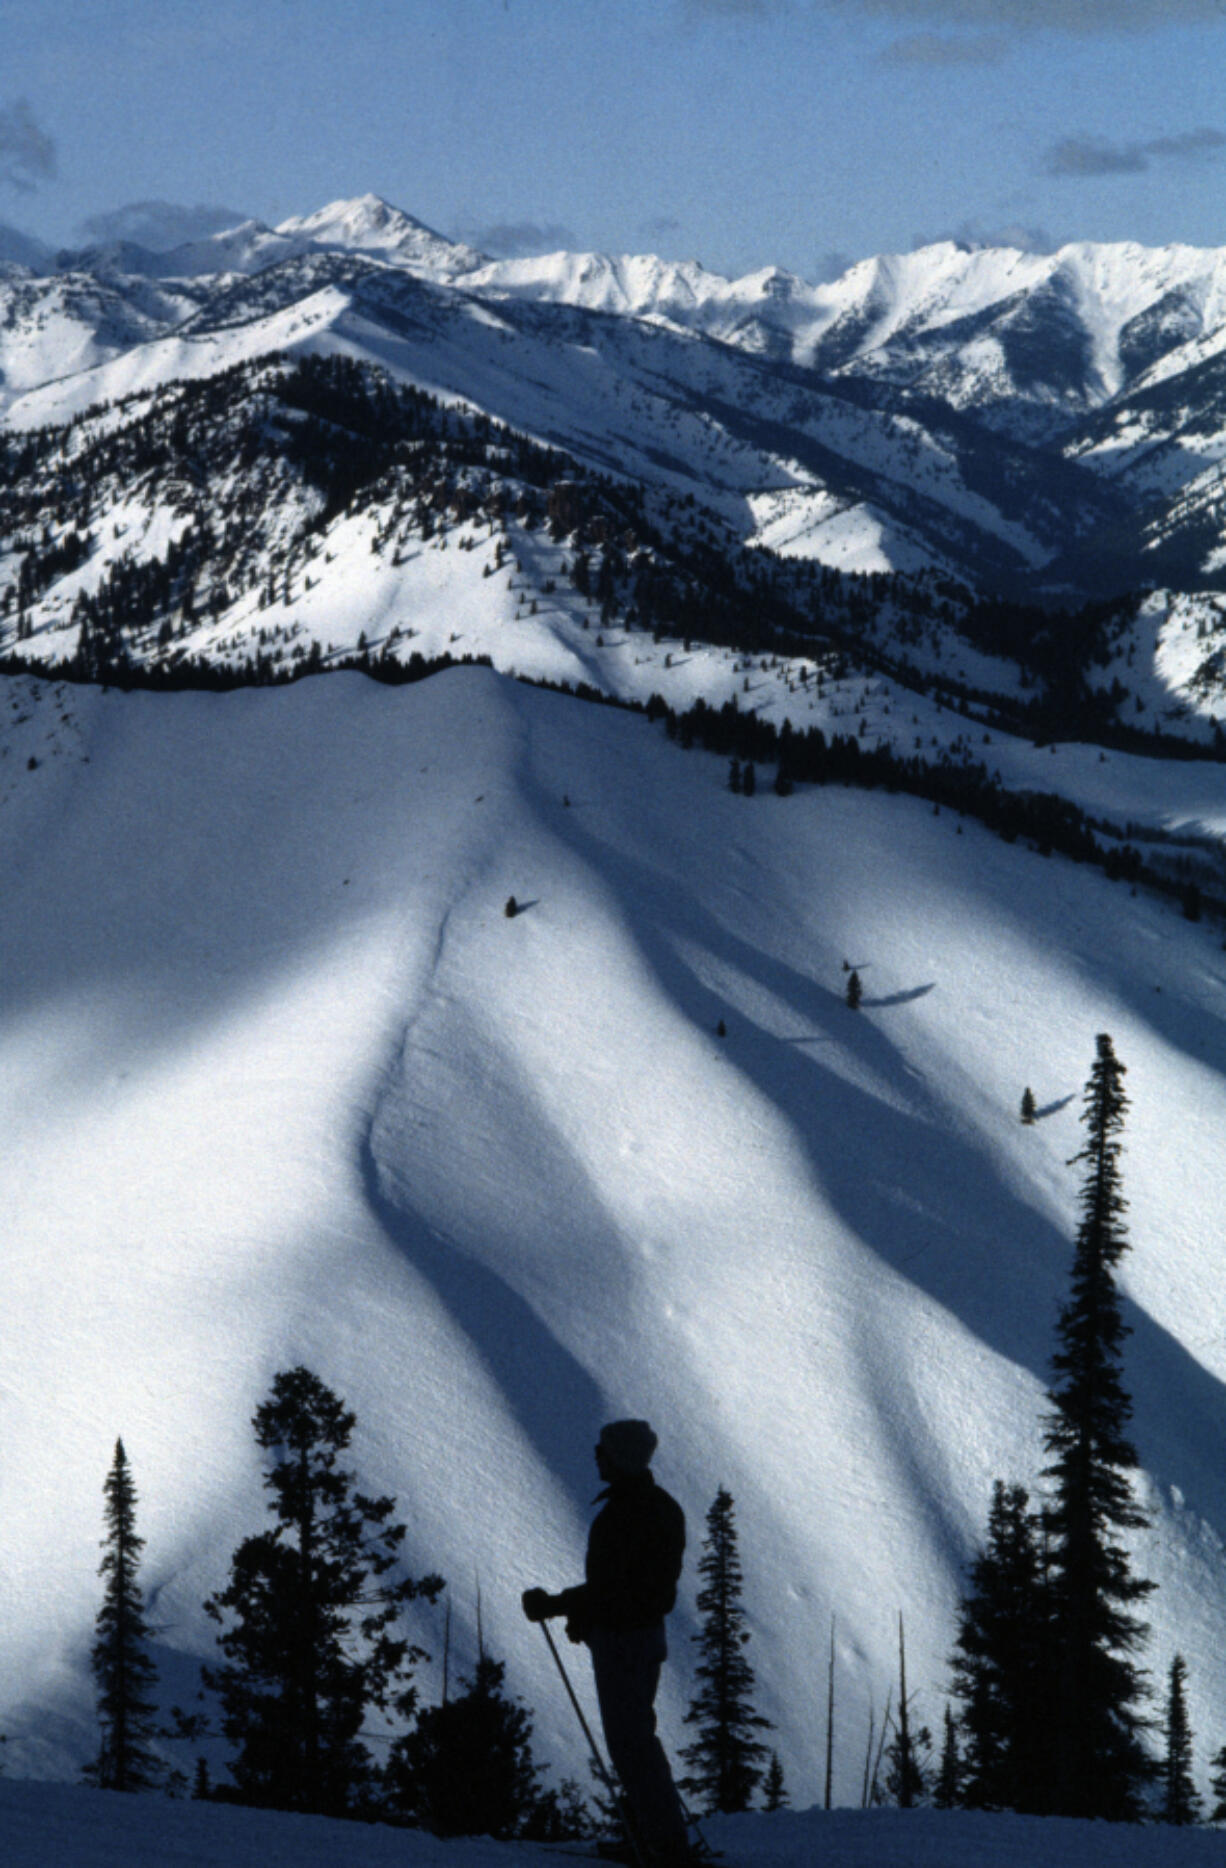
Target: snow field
[
  {"x": 79, "y": 1828},
  {"x": 285, "y": 1083}
]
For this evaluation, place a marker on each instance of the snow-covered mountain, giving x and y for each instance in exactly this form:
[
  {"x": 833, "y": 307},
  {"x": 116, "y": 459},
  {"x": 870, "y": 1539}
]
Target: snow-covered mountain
[
  {"x": 1032, "y": 423},
  {"x": 282, "y": 1081}
]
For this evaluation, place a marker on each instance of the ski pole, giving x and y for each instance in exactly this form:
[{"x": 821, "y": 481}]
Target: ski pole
[{"x": 602, "y": 1769}]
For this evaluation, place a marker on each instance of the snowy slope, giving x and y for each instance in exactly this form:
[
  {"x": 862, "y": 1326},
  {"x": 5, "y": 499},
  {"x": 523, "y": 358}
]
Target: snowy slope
[
  {"x": 78, "y": 1828},
  {"x": 282, "y": 1082}
]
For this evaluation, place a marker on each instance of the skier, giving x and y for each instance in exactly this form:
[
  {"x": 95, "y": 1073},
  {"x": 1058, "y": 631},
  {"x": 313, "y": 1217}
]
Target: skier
[{"x": 634, "y": 1554}]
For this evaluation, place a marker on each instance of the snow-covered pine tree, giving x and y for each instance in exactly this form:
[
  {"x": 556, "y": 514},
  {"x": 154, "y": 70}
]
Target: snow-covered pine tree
[
  {"x": 1101, "y": 1763},
  {"x": 309, "y": 1616},
  {"x": 725, "y": 1759},
  {"x": 123, "y": 1669},
  {"x": 1180, "y": 1800}
]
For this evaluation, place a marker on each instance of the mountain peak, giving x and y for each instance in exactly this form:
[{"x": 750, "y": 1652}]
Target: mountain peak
[{"x": 369, "y": 224}]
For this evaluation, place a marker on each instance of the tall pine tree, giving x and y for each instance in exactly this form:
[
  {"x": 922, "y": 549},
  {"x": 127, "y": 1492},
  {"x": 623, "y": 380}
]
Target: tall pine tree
[
  {"x": 1101, "y": 1766},
  {"x": 1180, "y": 1801},
  {"x": 124, "y": 1672},
  {"x": 726, "y": 1759},
  {"x": 309, "y": 1616}
]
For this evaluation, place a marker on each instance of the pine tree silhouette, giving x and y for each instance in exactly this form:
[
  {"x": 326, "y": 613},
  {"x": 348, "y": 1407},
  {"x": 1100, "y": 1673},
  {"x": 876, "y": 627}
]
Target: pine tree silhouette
[
  {"x": 466, "y": 1768},
  {"x": 310, "y": 1616},
  {"x": 774, "y": 1789},
  {"x": 1102, "y": 1765},
  {"x": 725, "y": 1759},
  {"x": 1217, "y": 1783},
  {"x": 1029, "y": 1111},
  {"x": 947, "y": 1791},
  {"x": 855, "y": 991},
  {"x": 1180, "y": 1801},
  {"x": 1002, "y": 1663},
  {"x": 123, "y": 1670}
]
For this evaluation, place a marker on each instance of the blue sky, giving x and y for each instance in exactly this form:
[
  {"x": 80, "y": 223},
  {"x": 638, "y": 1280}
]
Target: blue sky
[{"x": 741, "y": 132}]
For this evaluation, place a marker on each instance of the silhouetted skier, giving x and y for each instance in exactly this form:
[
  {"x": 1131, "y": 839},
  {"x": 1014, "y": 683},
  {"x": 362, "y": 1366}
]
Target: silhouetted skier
[{"x": 634, "y": 1554}]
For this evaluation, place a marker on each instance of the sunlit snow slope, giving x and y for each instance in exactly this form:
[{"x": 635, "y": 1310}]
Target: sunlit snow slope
[{"x": 281, "y": 1081}]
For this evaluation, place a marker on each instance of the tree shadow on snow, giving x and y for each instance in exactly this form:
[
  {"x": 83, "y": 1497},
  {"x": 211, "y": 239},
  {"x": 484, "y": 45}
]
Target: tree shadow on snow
[
  {"x": 555, "y": 1400},
  {"x": 901, "y": 998},
  {"x": 922, "y": 1194}
]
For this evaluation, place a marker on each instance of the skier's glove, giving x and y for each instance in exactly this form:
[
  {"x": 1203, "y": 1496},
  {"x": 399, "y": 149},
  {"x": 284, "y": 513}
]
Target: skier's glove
[{"x": 538, "y": 1605}]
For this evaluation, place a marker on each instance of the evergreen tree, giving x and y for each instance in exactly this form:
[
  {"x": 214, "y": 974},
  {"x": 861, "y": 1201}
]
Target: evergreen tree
[
  {"x": 1002, "y": 1663},
  {"x": 774, "y": 1790},
  {"x": 123, "y": 1671},
  {"x": 466, "y": 1768},
  {"x": 1217, "y": 1783},
  {"x": 725, "y": 1759},
  {"x": 310, "y": 1616},
  {"x": 1101, "y": 1763},
  {"x": 855, "y": 991},
  {"x": 947, "y": 1791},
  {"x": 1180, "y": 1801},
  {"x": 1029, "y": 1111}
]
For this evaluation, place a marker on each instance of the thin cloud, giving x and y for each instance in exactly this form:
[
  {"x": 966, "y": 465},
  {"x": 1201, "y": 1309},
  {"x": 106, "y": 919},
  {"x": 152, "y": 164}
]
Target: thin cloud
[
  {"x": 27, "y": 152},
  {"x": 1010, "y": 16},
  {"x": 974, "y": 235},
  {"x": 158, "y": 225},
  {"x": 943, "y": 49},
  {"x": 1080, "y": 156},
  {"x": 737, "y": 9},
  {"x": 521, "y": 239},
  {"x": 1189, "y": 145},
  {"x": 662, "y": 227},
  {"x": 1027, "y": 15},
  {"x": 831, "y": 266}
]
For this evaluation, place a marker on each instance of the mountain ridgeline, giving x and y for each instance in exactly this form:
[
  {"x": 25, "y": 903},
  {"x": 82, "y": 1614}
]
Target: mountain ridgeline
[{"x": 993, "y": 471}]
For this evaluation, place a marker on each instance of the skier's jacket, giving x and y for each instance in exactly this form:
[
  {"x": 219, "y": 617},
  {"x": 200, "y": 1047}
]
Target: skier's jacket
[{"x": 634, "y": 1553}]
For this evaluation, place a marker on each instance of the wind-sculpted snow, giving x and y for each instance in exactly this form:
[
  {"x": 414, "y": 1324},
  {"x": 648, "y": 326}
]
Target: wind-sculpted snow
[{"x": 282, "y": 1082}]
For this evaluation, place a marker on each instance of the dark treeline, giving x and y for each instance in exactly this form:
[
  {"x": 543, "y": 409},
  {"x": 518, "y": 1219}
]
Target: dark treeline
[{"x": 1050, "y": 823}]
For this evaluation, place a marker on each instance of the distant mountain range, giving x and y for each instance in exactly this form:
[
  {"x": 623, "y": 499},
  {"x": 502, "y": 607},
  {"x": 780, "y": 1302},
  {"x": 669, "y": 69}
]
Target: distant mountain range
[{"x": 1046, "y": 429}]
